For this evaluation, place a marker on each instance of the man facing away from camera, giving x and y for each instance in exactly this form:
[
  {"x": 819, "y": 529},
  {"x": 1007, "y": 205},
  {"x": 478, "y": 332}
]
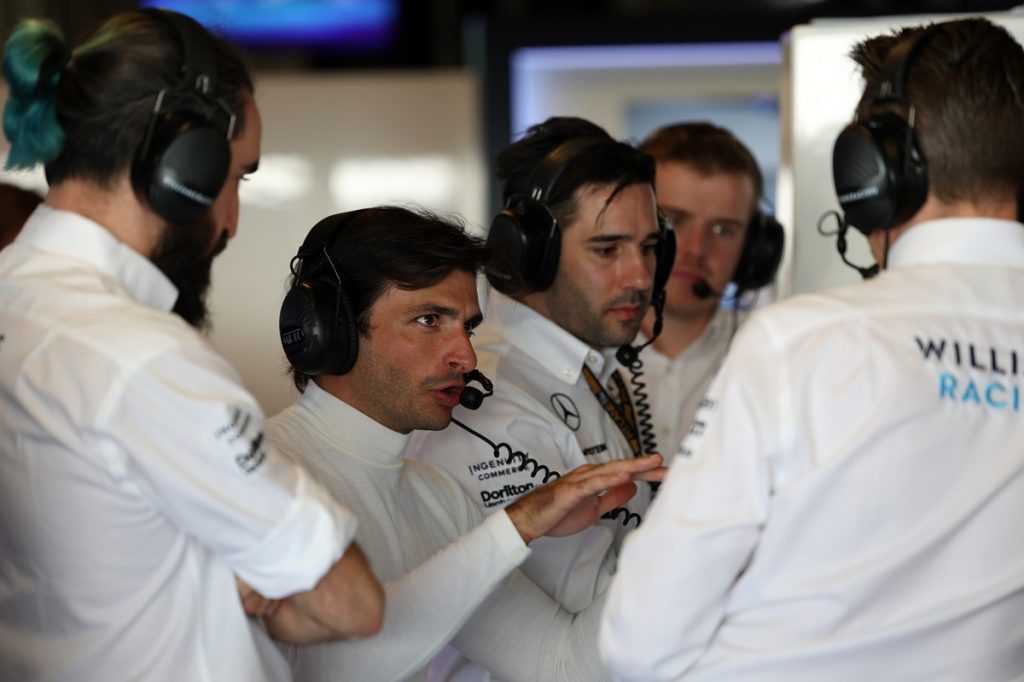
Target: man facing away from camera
[{"x": 847, "y": 509}]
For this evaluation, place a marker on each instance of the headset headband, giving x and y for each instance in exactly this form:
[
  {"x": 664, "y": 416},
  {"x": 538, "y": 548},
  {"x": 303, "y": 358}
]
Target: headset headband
[
  {"x": 198, "y": 63},
  {"x": 896, "y": 66},
  {"x": 550, "y": 169},
  {"x": 320, "y": 236}
]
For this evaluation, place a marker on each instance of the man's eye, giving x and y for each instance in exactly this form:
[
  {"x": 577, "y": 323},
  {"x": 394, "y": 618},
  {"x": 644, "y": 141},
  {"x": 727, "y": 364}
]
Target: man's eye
[
  {"x": 720, "y": 230},
  {"x": 427, "y": 320}
]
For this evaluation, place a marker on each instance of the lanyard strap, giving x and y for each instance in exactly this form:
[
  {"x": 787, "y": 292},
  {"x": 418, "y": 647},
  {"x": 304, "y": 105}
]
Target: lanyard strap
[{"x": 621, "y": 413}]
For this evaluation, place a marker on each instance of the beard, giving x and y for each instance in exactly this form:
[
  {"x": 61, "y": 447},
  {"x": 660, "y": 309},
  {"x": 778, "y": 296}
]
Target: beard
[
  {"x": 185, "y": 255},
  {"x": 581, "y": 315}
]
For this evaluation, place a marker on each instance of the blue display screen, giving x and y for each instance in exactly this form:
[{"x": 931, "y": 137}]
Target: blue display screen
[{"x": 342, "y": 25}]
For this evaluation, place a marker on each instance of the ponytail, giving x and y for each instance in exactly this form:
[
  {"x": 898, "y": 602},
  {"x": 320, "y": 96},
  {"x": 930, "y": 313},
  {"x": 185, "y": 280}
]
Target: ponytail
[{"x": 34, "y": 59}]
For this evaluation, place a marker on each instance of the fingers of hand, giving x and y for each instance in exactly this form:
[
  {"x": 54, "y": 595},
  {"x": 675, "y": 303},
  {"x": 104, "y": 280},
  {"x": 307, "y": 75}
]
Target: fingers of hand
[
  {"x": 634, "y": 466},
  {"x": 256, "y": 605},
  {"x": 652, "y": 476},
  {"x": 616, "y": 496}
]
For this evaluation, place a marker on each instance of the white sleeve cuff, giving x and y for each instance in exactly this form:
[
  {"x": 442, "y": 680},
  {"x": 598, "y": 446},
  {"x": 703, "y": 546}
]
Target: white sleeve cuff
[{"x": 298, "y": 552}]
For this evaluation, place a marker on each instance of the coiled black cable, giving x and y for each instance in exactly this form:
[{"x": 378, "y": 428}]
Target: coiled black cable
[
  {"x": 642, "y": 406},
  {"x": 504, "y": 450}
]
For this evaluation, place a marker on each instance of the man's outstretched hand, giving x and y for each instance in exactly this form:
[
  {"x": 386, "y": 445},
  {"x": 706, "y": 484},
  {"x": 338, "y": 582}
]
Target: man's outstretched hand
[{"x": 578, "y": 499}]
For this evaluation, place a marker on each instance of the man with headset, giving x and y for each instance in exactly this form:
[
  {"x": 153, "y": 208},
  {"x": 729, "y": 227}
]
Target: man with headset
[
  {"x": 377, "y": 328},
  {"x": 708, "y": 187},
  {"x": 846, "y": 508},
  {"x": 142, "y": 515},
  {"x": 580, "y": 238}
]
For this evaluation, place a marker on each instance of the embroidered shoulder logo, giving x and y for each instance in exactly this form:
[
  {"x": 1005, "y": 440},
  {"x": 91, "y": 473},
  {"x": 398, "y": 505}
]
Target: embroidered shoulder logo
[
  {"x": 243, "y": 430},
  {"x": 566, "y": 410}
]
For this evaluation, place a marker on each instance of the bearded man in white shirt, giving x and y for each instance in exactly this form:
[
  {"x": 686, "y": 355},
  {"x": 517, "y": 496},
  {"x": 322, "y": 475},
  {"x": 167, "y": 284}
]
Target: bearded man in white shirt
[
  {"x": 142, "y": 514},
  {"x": 377, "y": 328},
  {"x": 581, "y": 241},
  {"x": 846, "y": 508}
]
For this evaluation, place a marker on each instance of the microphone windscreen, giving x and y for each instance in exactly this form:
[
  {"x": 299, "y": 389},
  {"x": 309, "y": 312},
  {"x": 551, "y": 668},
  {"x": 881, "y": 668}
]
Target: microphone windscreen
[
  {"x": 471, "y": 398},
  {"x": 701, "y": 289}
]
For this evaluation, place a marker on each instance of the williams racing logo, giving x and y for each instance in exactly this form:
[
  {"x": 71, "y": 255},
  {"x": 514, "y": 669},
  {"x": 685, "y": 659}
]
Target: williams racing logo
[
  {"x": 244, "y": 433},
  {"x": 504, "y": 494},
  {"x": 982, "y": 377}
]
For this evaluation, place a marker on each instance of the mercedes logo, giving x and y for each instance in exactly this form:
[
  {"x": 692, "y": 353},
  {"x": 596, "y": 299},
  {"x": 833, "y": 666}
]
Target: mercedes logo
[{"x": 566, "y": 410}]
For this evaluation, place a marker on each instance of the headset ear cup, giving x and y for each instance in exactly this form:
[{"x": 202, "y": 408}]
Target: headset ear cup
[
  {"x": 527, "y": 245},
  {"x": 317, "y": 327},
  {"x": 879, "y": 173},
  {"x": 183, "y": 166},
  {"x": 762, "y": 253},
  {"x": 666, "y": 259}
]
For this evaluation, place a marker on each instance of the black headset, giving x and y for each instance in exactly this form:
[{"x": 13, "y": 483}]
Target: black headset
[
  {"x": 878, "y": 168},
  {"x": 526, "y": 233},
  {"x": 183, "y": 162},
  {"x": 317, "y": 325},
  {"x": 761, "y": 254}
]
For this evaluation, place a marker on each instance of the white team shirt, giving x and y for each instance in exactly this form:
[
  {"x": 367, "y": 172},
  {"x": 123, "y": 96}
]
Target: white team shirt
[
  {"x": 676, "y": 386},
  {"x": 847, "y": 505},
  {"x": 134, "y": 479}
]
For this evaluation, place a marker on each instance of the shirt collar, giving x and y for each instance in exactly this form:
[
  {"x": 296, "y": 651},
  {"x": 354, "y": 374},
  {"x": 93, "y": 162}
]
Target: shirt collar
[
  {"x": 966, "y": 241},
  {"x": 719, "y": 324},
  {"x": 74, "y": 236},
  {"x": 350, "y": 431},
  {"x": 556, "y": 350}
]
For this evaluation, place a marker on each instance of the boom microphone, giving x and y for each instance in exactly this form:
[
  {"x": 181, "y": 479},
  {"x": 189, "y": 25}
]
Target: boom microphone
[
  {"x": 701, "y": 289},
  {"x": 866, "y": 273},
  {"x": 840, "y": 233},
  {"x": 628, "y": 355},
  {"x": 471, "y": 398}
]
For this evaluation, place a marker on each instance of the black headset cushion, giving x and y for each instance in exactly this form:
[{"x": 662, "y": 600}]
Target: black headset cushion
[
  {"x": 527, "y": 243},
  {"x": 184, "y": 166},
  {"x": 761, "y": 254},
  {"x": 318, "y": 329},
  {"x": 880, "y": 179},
  {"x": 666, "y": 258}
]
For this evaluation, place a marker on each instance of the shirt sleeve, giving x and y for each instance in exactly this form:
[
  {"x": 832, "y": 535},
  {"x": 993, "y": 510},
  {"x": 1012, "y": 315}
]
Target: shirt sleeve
[
  {"x": 187, "y": 436},
  {"x": 571, "y": 569},
  {"x": 520, "y": 634},
  {"x": 423, "y": 609},
  {"x": 676, "y": 571}
]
